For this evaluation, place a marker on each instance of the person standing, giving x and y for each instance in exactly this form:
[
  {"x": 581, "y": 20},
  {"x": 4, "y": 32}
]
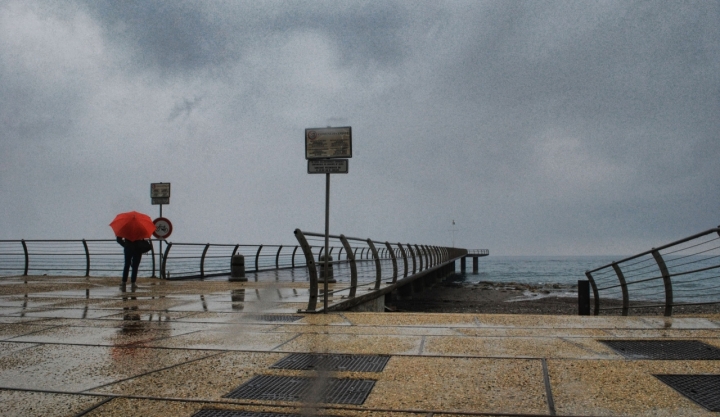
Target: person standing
[{"x": 133, "y": 255}]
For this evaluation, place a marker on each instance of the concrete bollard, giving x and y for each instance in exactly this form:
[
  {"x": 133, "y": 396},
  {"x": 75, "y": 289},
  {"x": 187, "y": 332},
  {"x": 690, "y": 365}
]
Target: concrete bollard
[
  {"x": 321, "y": 269},
  {"x": 237, "y": 268}
]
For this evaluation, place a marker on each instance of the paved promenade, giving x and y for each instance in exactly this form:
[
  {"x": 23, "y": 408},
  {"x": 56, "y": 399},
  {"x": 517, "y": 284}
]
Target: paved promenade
[{"x": 82, "y": 347}]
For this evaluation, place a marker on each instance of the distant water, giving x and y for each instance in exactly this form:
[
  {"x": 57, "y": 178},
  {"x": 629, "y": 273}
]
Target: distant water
[{"x": 534, "y": 269}]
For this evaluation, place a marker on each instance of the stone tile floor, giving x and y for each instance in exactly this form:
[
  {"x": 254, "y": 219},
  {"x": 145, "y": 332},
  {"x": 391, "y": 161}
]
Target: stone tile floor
[{"x": 82, "y": 347}]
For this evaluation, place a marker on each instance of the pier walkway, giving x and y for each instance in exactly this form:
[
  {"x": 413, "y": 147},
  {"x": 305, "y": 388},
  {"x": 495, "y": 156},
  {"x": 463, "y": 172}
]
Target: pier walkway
[{"x": 79, "y": 346}]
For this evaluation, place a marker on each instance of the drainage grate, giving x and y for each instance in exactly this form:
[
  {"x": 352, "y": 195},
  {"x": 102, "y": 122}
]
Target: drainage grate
[
  {"x": 664, "y": 349},
  {"x": 287, "y": 388},
  {"x": 207, "y": 412},
  {"x": 273, "y": 317},
  {"x": 353, "y": 363},
  {"x": 703, "y": 389}
]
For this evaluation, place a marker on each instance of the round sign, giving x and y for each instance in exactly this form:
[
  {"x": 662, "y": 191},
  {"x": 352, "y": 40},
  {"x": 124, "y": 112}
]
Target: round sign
[{"x": 163, "y": 228}]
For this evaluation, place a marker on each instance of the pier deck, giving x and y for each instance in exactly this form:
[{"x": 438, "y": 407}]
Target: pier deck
[{"x": 80, "y": 346}]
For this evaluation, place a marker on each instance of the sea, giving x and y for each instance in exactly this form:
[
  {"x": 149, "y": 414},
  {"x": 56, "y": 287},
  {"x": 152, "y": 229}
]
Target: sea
[{"x": 536, "y": 270}]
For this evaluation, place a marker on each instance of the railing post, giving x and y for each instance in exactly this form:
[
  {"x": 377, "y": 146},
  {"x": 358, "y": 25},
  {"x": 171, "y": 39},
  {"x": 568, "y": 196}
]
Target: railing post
[
  {"x": 312, "y": 270},
  {"x": 583, "y": 297},
  {"x": 152, "y": 256},
  {"x": 394, "y": 261},
  {"x": 405, "y": 262},
  {"x": 277, "y": 257},
  {"x": 623, "y": 287},
  {"x": 420, "y": 256},
  {"x": 378, "y": 273},
  {"x": 666, "y": 280},
  {"x": 412, "y": 255},
  {"x": 27, "y": 257},
  {"x": 322, "y": 248},
  {"x": 293, "y": 255},
  {"x": 87, "y": 258},
  {"x": 257, "y": 258},
  {"x": 202, "y": 261},
  {"x": 353, "y": 266},
  {"x": 163, "y": 265},
  {"x": 595, "y": 293},
  {"x": 340, "y": 253}
]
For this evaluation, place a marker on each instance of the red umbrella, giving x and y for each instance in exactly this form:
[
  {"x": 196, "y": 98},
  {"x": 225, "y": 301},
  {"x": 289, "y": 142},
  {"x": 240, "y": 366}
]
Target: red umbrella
[{"x": 133, "y": 225}]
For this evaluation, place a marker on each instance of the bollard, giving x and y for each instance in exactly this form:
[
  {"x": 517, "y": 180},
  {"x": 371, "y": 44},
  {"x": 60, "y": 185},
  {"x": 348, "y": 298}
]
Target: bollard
[
  {"x": 321, "y": 265},
  {"x": 237, "y": 268},
  {"x": 583, "y": 297}
]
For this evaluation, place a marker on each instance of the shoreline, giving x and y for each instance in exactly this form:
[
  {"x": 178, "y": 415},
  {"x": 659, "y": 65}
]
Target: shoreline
[{"x": 487, "y": 297}]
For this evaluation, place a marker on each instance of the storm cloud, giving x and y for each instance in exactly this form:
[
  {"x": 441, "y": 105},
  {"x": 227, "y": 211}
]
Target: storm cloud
[{"x": 541, "y": 128}]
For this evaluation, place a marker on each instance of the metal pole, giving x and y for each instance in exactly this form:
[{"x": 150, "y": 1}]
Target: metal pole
[
  {"x": 160, "y": 253},
  {"x": 327, "y": 241}
]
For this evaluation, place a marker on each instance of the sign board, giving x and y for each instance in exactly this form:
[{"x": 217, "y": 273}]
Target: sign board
[
  {"x": 160, "y": 192},
  {"x": 328, "y": 166},
  {"x": 328, "y": 142},
  {"x": 163, "y": 228}
]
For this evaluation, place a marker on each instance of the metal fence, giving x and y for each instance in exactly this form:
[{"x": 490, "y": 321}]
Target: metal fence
[
  {"x": 684, "y": 272},
  {"x": 390, "y": 262},
  {"x": 104, "y": 257}
]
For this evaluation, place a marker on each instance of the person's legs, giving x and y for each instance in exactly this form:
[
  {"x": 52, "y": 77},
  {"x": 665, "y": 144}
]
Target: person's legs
[
  {"x": 135, "y": 264},
  {"x": 128, "y": 261}
]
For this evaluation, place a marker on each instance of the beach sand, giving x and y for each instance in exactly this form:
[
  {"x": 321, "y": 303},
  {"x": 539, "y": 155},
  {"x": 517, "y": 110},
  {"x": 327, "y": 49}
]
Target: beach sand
[{"x": 514, "y": 298}]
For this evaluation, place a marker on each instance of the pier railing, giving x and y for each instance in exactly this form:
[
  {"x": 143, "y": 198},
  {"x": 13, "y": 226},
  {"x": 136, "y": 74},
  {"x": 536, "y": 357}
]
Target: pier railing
[
  {"x": 684, "y": 272},
  {"x": 104, "y": 257},
  {"x": 390, "y": 262}
]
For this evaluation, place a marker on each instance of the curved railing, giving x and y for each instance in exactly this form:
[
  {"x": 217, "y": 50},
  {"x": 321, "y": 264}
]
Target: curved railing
[
  {"x": 684, "y": 272},
  {"x": 83, "y": 257},
  {"x": 390, "y": 261},
  {"x": 479, "y": 252},
  {"x": 104, "y": 257}
]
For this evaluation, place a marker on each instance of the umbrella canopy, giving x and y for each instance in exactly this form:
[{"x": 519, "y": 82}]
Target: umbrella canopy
[{"x": 133, "y": 225}]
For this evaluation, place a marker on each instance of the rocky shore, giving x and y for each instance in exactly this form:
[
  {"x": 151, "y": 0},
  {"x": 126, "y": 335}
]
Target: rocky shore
[{"x": 454, "y": 296}]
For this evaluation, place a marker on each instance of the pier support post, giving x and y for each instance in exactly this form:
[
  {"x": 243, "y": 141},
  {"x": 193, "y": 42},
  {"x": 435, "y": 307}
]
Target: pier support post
[
  {"x": 475, "y": 264},
  {"x": 462, "y": 265}
]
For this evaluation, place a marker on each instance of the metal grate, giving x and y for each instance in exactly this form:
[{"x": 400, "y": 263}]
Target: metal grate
[
  {"x": 286, "y": 388},
  {"x": 664, "y": 349},
  {"x": 273, "y": 317},
  {"x": 703, "y": 389},
  {"x": 352, "y": 363},
  {"x": 208, "y": 412}
]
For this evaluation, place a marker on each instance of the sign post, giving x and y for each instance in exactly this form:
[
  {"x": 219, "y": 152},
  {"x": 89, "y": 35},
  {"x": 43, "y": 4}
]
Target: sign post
[
  {"x": 322, "y": 148},
  {"x": 160, "y": 194}
]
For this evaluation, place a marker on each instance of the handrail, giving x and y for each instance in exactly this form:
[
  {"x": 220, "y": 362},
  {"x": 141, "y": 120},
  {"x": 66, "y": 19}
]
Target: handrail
[
  {"x": 681, "y": 268},
  {"x": 384, "y": 257}
]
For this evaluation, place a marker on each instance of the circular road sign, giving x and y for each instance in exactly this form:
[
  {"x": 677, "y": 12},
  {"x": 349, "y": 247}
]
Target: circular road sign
[{"x": 163, "y": 228}]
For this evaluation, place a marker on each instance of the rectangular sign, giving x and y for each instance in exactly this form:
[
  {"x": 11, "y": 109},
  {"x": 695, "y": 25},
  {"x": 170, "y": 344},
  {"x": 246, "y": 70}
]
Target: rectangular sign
[
  {"x": 328, "y": 142},
  {"x": 160, "y": 190},
  {"x": 328, "y": 166},
  {"x": 160, "y": 200}
]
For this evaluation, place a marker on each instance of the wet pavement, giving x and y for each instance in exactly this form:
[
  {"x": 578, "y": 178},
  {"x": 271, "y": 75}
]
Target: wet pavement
[{"x": 83, "y": 347}]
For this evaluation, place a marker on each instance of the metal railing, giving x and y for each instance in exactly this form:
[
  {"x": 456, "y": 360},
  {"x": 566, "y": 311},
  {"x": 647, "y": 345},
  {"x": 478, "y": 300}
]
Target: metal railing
[
  {"x": 478, "y": 252},
  {"x": 83, "y": 257},
  {"x": 104, "y": 257},
  {"x": 390, "y": 261},
  {"x": 682, "y": 273}
]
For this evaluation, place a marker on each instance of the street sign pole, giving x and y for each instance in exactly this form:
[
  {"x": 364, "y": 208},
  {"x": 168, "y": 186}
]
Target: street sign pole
[
  {"x": 327, "y": 242},
  {"x": 160, "y": 254},
  {"x": 323, "y": 148}
]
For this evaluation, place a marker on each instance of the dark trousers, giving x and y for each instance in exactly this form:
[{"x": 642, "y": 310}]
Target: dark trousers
[{"x": 132, "y": 258}]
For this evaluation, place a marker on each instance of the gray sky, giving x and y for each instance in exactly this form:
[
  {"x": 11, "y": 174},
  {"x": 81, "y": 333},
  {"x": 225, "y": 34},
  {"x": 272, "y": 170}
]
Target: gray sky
[{"x": 541, "y": 128}]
